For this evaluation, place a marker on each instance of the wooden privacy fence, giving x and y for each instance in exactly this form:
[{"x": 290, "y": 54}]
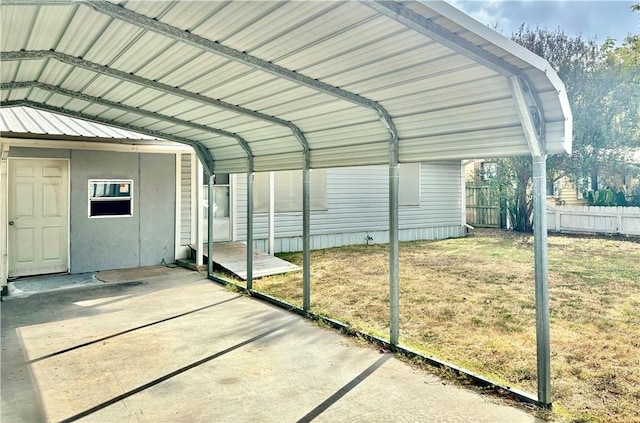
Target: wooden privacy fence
[
  {"x": 593, "y": 219},
  {"x": 483, "y": 207}
]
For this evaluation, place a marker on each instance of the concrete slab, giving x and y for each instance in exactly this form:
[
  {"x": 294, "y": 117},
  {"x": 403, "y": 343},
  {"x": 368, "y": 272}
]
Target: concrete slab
[
  {"x": 25, "y": 287},
  {"x": 180, "y": 348}
]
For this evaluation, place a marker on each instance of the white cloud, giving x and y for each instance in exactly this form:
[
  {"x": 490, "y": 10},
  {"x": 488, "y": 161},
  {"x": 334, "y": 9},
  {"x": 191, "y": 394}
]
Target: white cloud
[
  {"x": 585, "y": 17},
  {"x": 488, "y": 12}
]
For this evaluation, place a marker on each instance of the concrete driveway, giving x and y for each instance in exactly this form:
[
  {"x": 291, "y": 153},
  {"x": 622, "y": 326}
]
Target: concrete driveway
[{"x": 179, "y": 348}]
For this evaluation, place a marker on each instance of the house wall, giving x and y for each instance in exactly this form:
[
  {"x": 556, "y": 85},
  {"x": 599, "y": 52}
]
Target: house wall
[
  {"x": 143, "y": 239},
  {"x": 357, "y": 207},
  {"x": 157, "y": 208}
]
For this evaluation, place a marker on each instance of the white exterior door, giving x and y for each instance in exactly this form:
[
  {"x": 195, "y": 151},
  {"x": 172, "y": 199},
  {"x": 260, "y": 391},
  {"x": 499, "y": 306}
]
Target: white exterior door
[{"x": 38, "y": 216}]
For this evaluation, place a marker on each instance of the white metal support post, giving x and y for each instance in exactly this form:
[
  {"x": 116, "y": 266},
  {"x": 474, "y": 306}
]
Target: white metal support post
[
  {"x": 542, "y": 278},
  {"x": 211, "y": 200},
  {"x": 177, "y": 254},
  {"x": 394, "y": 250},
  {"x": 533, "y": 127},
  {"x": 272, "y": 214},
  {"x": 463, "y": 197},
  {"x": 250, "y": 179},
  {"x": 199, "y": 212},
  {"x": 306, "y": 235}
]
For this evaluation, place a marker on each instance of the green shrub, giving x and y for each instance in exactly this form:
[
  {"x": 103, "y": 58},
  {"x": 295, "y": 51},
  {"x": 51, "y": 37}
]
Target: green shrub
[
  {"x": 621, "y": 199},
  {"x": 610, "y": 198},
  {"x": 635, "y": 197}
]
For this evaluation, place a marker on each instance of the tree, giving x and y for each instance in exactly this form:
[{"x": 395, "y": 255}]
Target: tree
[
  {"x": 572, "y": 58},
  {"x": 512, "y": 182},
  {"x": 603, "y": 90},
  {"x": 606, "y": 108}
]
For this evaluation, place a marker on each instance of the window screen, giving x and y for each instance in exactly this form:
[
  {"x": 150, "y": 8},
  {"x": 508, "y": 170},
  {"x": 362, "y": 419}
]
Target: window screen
[
  {"x": 110, "y": 198},
  {"x": 288, "y": 191}
]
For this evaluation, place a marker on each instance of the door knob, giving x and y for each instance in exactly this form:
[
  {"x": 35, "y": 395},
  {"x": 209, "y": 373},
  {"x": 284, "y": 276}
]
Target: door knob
[{"x": 11, "y": 223}]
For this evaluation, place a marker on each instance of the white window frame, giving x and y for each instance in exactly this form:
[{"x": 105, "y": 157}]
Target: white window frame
[{"x": 91, "y": 199}]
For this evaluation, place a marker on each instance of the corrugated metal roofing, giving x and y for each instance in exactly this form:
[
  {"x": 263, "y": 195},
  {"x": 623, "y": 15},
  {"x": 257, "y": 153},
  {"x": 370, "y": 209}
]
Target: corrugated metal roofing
[
  {"x": 256, "y": 74},
  {"x": 25, "y": 120}
]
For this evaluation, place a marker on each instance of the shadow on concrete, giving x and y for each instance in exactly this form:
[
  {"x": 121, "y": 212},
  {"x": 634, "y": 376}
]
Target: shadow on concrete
[
  {"x": 173, "y": 374},
  {"x": 62, "y": 304},
  {"x": 124, "y": 332},
  {"x": 344, "y": 390},
  {"x": 43, "y": 306}
]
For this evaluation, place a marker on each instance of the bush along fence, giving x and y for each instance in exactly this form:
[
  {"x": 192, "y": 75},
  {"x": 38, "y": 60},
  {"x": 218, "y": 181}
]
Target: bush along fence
[
  {"x": 594, "y": 219},
  {"x": 611, "y": 197}
]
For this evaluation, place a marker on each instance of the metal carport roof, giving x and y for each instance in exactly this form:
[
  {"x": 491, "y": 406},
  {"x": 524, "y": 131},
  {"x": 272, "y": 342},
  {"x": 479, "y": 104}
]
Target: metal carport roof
[
  {"x": 259, "y": 86},
  {"x": 24, "y": 121},
  {"x": 210, "y": 73}
]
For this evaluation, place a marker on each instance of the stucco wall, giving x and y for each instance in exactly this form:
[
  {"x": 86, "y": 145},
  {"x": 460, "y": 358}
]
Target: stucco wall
[
  {"x": 157, "y": 208},
  {"x": 143, "y": 239}
]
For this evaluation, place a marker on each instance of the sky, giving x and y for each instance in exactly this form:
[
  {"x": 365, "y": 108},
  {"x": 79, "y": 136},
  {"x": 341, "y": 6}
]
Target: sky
[{"x": 591, "y": 19}]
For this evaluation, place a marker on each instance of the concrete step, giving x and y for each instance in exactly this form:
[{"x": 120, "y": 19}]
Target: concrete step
[{"x": 191, "y": 265}]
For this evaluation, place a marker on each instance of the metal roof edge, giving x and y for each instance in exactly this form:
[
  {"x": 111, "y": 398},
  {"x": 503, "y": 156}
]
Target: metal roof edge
[
  {"x": 81, "y": 143},
  {"x": 450, "y": 12}
]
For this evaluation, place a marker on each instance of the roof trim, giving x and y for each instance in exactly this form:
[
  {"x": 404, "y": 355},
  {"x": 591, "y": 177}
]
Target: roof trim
[{"x": 76, "y": 142}]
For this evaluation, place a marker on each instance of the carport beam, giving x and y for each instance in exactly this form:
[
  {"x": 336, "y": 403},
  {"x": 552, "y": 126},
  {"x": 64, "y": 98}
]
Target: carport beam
[{"x": 541, "y": 278}]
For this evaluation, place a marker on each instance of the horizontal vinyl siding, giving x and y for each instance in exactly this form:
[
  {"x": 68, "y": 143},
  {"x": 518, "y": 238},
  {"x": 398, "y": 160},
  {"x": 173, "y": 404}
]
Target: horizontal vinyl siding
[
  {"x": 185, "y": 203},
  {"x": 357, "y": 206}
]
